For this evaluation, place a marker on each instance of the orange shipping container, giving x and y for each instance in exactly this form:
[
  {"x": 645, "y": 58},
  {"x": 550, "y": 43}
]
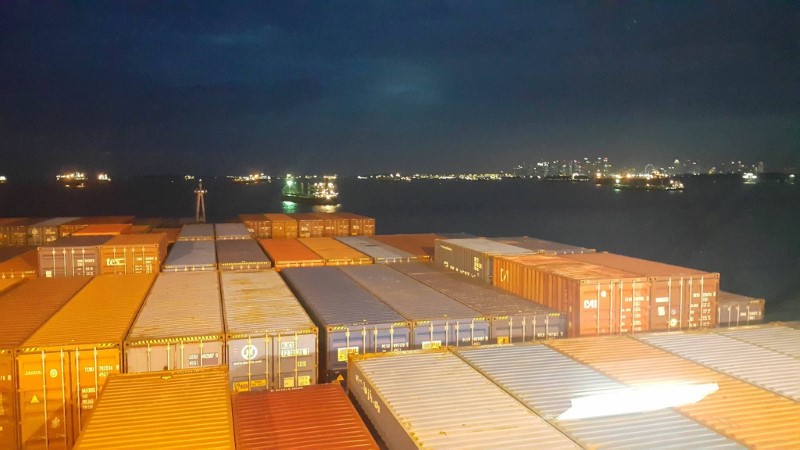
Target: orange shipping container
[
  {"x": 335, "y": 253},
  {"x": 309, "y": 225},
  {"x": 19, "y": 318},
  {"x": 419, "y": 245},
  {"x": 290, "y": 253},
  {"x": 283, "y": 226},
  {"x": 14, "y": 232},
  {"x": 171, "y": 233},
  {"x": 25, "y": 265},
  {"x": 333, "y": 225},
  {"x": 359, "y": 225},
  {"x": 63, "y": 365},
  {"x": 597, "y": 300},
  {"x": 753, "y": 416},
  {"x": 107, "y": 229},
  {"x": 133, "y": 253},
  {"x": 139, "y": 229},
  {"x": 68, "y": 228},
  {"x": 258, "y": 225}
]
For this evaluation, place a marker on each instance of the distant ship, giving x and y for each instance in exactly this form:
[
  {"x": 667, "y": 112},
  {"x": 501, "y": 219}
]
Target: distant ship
[
  {"x": 644, "y": 182},
  {"x": 311, "y": 190},
  {"x": 72, "y": 179}
]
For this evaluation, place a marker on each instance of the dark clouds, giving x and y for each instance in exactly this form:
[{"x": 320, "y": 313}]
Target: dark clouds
[{"x": 370, "y": 86}]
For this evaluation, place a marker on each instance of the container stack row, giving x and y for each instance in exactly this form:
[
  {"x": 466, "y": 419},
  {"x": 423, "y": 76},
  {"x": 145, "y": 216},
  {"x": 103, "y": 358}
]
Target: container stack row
[{"x": 307, "y": 225}]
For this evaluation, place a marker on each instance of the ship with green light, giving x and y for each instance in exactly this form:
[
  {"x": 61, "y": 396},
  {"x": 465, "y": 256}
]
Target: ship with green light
[{"x": 311, "y": 190}]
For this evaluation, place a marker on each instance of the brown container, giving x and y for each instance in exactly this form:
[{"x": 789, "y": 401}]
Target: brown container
[
  {"x": 258, "y": 225},
  {"x": 597, "y": 300},
  {"x": 19, "y": 318},
  {"x": 7, "y": 253},
  {"x": 283, "y": 226},
  {"x": 133, "y": 253},
  {"x": 14, "y": 232},
  {"x": 25, "y": 265},
  {"x": 335, "y": 253},
  {"x": 108, "y": 229},
  {"x": 171, "y": 233},
  {"x": 290, "y": 253},
  {"x": 679, "y": 298},
  {"x": 333, "y": 225},
  {"x": 318, "y": 416},
  {"x": 47, "y": 230},
  {"x": 240, "y": 254},
  {"x": 71, "y": 256},
  {"x": 419, "y": 245},
  {"x": 752, "y": 416},
  {"x": 734, "y": 310},
  {"x": 83, "y": 222},
  {"x": 359, "y": 225},
  {"x": 309, "y": 225},
  {"x": 139, "y": 229}
]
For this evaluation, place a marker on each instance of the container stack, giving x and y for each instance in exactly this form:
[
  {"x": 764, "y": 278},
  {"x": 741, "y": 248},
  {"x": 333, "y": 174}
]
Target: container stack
[
  {"x": 196, "y": 232},
  {"x": 67, "y": 228},
  {"x": 240, "y": 254},
  {"x": 71, "y": 256},
  {"x": 473, "y": 257},
  {"x": 282, "y": 226},
  {"x": 46, "y": 231},
  {"x": 334, "y": 253},
  {"x": 309, "y": 225},
  {"x": 257, "y": 225},
  {"x": 14, "y": 231},
  {"x": 418, "y": 245},
  {"x": 542, "y": 246},
  {"x": 231, "y": 231},
  {"x": 378, "y": 251},
  {"x": 25, "y": 265},
  {"x": 133, "y": 253},
  {"x": 286, "y": 253},
  {"x": 191, "y": 256},
  {"x": 734, "y": 310}
]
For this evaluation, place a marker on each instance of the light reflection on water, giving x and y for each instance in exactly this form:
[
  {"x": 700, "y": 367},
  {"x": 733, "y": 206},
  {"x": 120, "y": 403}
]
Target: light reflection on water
[{"x": 291, "y": 207}]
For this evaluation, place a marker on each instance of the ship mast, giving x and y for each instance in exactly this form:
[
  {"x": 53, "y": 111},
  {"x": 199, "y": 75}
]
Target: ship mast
[{"x": 200, "y": 208}]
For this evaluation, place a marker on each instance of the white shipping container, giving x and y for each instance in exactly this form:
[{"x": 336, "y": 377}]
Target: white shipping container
[{"x": 774, "y": 337}]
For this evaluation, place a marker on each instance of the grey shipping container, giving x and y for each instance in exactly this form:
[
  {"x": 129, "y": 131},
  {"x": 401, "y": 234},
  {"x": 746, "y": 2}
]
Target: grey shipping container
[
  {"x": 512, "y": 318},
  {"x": 378, "y": 251},
  {"x": 71, "y": 256},
  {"x": 734, "y": 310},
  {"x": 225, "y": 231},
  {"x": 350, "y": 319},
  {"x": 541, "y": 246},
  {"x": 191, "y": 256},
  {"x": 272, "y": 342},
  {"x": 436, "y": 319},
  {"x": 179, "y": 326},
  {"x": 46, "y": 231},
  {"x": 434, "y": 400},
  {"x": 197, "y": 232},
  {"x": 777, "y": 337},
  {"x": 557, "y": 388},
  {"x": 241, "y": 254},
  {"x": 472, "y": 257}
]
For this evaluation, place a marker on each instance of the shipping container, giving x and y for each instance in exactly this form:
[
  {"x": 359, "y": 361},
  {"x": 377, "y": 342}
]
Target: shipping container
[
  {"x": 108, "y": 229},
  {"x": 241, "y": 254},
  {"x": 7, "y": 253},
  {"x": 765, "y": 368},
  {"x": 434, "y": 400},
  {"x": 309, "y": 225},
  {"x": 783, "y": 338},
  {"x": 191, "y": 256},
  {"x": 313, "y": 417},
  {"x": 63, "y": 365},
  {"x": 257, "y": 224},
  {"x": 5, "y": 227},
  {"x": 472, "y": 257},
  {"x": 734, "y": 310},
  {"x": 436, "y": 319},
  {"x": 359, "y": 225},
  {"x": 172, "y": 234},
  {"x": 560, "y": 390},
  {"x": 163, "y": 410},
  {"x": 71, "y": 256},
  {"x": 378, "y": 251},
  {"x": 290, "y": 253},
  {"x": 14, "y": 232},
  {"x": 180, "y": 325},
  {"x": 25, "y": 265},
  {"x": 19, "y": 318},
  {"x": 512, "y": 318},
  {"x": 283, "y": 226},
  {"x": 748, "y": 414},
  {"x": 679, "y": 297},
  {"x": 350, "y": 319},
  {"x": 228, "y": 231},
  {"x": 8, "y": 283},
  {"x": 139, "y": 229},
  {"x": 598, "y": 300},
  {"x": 67, "y": 228},
  {"x": 197, "y": 232},
  {"x": 333, "y": 225},
  {"x": 335, "y": 253},
  {"x": 542, "y": 246},
  {"x": 419, "y": 245},
  {"x": 272, "y": 343},
  {"x": 133, "y": 253},
  {"x": 46, "y": 231}
]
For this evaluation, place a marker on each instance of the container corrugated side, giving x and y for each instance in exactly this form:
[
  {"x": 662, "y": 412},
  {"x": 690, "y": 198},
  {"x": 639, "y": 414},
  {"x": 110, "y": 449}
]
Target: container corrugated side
[
  {"x": 272, "y": 342},
  {"x": 767, "y": 369},
  {"x": 19, "y": 318},
  {"x": 309, "y": 225},
  {"x": 241, "y": 254},
  {"x": 191, "y": 256},
  {"x": 283, "y": 226},
  {"x": 257, "y": 224},
  {"x": 359, "y": 225},
  {"x": 778, "y": 337},
  {"x": 542, "y": 246},
  {"x": 108, "y": 229},
  {"x": 750, "y": 415},
  {"x": 378, "y": 251},
  {"x": 171, "y": 233},
  {"x": 290, "y": 253},
  {"x": 162, "y": 410},
  {"x": 25, "y": 265},
  {"x": 14, "y": 232},
  {"x": 67, "y": 228},
  {"x": 512, "y": 318},
  {"x": 63, "y": 365},
  {"x": 318, "y": 416},
  {"x": 71, "y": 256},
  {"x": 333, "y": 225},
  {"x": 556, "y": 388},
  {"x": 8, "y": 283},
  {"x": 436, "y": 319},
  {"x": 231, "y": 231},
  {"x": 7, "y": 253},
  {"x": 133, "y": 253},
  {"x": 334, "y": 252},
  {"x": 473, "y": 257},
  {"x": 351, "y": 320},
  {"x": 420, "y": 245},
  {"x": 197, "y": 232},
  {"x": 734, "y": 310},
  {"x": 436, "y": 400},
  {"x": 180, "y": 325},
  {"x": 46, "y": 230}
]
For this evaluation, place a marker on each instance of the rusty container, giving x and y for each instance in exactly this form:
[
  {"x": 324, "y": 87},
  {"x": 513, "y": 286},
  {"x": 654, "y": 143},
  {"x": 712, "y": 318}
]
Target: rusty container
[
  {"x": 107, "y": 229},
  {"x": 133, "y": 253},
  {"x": 25, "y": 265},
  {"x": 46, "y": 231},
  {"x": 419, "y": 245},
  {"x": 19, "y": 318},
  {"x": 63, "y": 365},
  {"x": 680, "y": 297},
  {"x": 241, "y": 254},
  {"x": 734, "y": 310},
  {"x": 333, "y": 225},
  {"x": 309, "y": 225},
  {"x": 335, "y": 253},
  {"x": 359, "y": 225},
  {"x": 283, "y": 226},
  {"x": 318, "y": 416},
  {"x": 257, "y": 224},
  {"x": 598, "y": 300},
  {"x": 290, "y": 253},
  {"x": 70, "y": 227},
  {"x": 71, "y": 256}
]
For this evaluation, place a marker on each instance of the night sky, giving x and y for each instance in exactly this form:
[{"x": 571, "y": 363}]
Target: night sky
[{"x": 359, "y": 87}]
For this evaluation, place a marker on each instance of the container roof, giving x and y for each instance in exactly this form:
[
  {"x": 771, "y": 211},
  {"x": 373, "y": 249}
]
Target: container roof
[{"x": 635, "y": 265}]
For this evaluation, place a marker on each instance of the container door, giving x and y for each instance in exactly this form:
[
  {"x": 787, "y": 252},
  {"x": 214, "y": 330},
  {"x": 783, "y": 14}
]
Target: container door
[
  {"x": 295, "y": 362},
  {"x": 342, "y": 342},
  {"x": 44, "y": 400},
  {"x": 387, "y": 339},
  {"x": 249, "y": 363},
  {"x": 90, "y": 369},
  {"x": 466, "y": 332},
  {"x": 193, "y": 355},
  {"x": 8, "y": 403}
]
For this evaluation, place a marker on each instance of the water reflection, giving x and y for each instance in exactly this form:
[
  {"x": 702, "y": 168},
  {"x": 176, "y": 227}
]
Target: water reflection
[
  {"x": 291, "y": 207},
  {"x": 325, "y": 208}
]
